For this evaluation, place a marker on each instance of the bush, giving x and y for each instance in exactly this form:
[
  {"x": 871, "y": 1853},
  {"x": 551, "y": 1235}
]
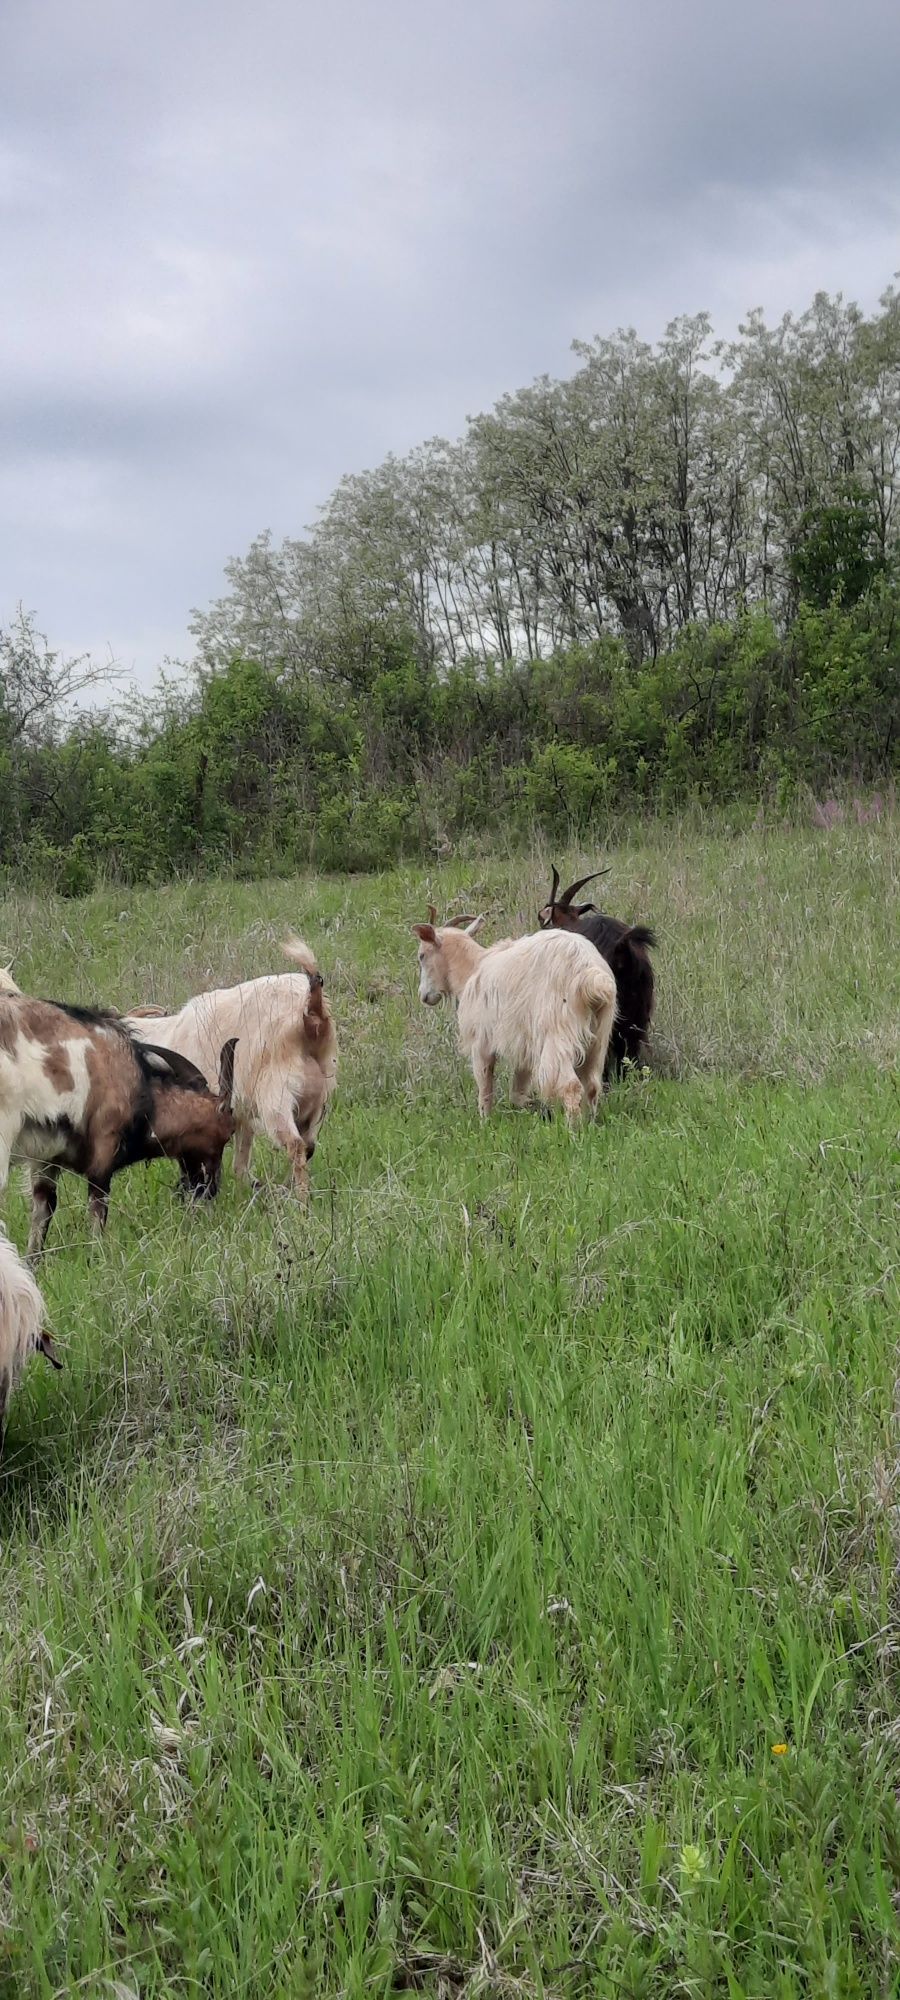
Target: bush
[{"x": 261, "y": 772}]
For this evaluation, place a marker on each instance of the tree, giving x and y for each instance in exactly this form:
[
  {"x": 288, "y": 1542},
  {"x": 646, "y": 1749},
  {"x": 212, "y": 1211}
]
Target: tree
[
  {"x": 37, "y": 685},
  {"x": 837, "y": 556},
  {"x": 655, "y": 486}
]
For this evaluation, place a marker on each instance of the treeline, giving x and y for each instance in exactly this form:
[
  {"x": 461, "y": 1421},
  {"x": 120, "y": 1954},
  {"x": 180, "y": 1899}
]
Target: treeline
[
  {"x": 673, "y": 576},
  {"x": 654, "y": 488},
  {"x": 261, "y": 772}
]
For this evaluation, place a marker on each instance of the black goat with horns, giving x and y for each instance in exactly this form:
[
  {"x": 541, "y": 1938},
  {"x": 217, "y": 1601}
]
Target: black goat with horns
[{"x": 626, "y": 949}]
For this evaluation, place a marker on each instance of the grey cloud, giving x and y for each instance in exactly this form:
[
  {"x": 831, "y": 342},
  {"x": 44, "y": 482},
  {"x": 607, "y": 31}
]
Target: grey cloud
[{"x": 249, "y": 250}]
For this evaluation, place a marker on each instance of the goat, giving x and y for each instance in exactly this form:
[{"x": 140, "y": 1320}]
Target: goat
[
  {"x": 22, "y": 1329},
  {"x": 626, "y": 949},
  {"x": 78, "y": 1091},
  {"x": 287, "y": 1055},
  {"x": 544, "y": 1002}
]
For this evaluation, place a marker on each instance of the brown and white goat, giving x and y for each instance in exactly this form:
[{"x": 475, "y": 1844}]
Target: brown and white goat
[
  {"x": 22, "y": 1329},
  {"x": 626, "y": 948},
  {"x": 545, "y": 1003},
  {"x": 78, "y": 1091},
  {"x": 286, "y": 1059}
]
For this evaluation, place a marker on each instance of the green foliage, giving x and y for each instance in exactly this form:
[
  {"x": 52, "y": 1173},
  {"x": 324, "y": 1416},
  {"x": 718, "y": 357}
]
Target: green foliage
[
  {"x": 361, "y": 833},
  {"x": 564, "y": 787},
  {"x": 837, "y": 557},
  {"x": 256, "y": 771},
  {"x": 848, "y": 670}
]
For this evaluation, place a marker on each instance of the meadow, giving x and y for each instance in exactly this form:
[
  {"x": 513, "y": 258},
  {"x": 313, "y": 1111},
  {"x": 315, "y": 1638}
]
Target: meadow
[{"x": 485, "y": 1583}]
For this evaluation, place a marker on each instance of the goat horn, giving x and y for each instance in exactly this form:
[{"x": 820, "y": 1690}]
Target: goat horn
[
  {"x": 179, "y": 1068},
  {"x": 226, "y": 1073},
  {"x": 46, "y": 1346},
  {"x": 432, "y": 914},
  {"x": 457, "y": 923},
  {"x": 552, "y": 896},
  {"x": 574, "y": 887}
]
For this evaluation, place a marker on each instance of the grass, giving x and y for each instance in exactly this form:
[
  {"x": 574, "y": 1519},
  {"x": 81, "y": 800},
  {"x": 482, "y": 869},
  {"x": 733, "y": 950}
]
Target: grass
[{"x": 406, "y": 1597}]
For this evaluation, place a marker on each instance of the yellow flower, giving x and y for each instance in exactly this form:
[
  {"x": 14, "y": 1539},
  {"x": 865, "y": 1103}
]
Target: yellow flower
[
  {"x": 693, "y": 1865},
  {"x": 779, "y": 1749}
]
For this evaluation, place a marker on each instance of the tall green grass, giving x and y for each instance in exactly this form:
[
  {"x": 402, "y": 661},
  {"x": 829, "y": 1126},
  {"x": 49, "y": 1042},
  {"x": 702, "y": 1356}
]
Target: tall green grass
[{"x": 406, "y": 1597}]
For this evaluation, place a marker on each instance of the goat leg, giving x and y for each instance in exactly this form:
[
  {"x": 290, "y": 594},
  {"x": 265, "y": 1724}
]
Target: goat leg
[
  {"x": 98, "y": 1204},
  {"x": 483, "y": 1066},
  {"x": 283, "y": 1134},
  {"x": 44, "y": 1197},
  {"x": 243, "y": 1142},
  {"x": 589, "y": 1074},
  {"x": 521, "y": 1087}
]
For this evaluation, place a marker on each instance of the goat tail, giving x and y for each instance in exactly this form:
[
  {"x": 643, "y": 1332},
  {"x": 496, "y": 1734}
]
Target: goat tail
[
  {"x": 573, "y": 1042},
  {"x": 597, "y": 989},
  {"x": 301, "y": 954},
  {"x": 7, "y": 982},
  {"x": 641, "y": 934}
]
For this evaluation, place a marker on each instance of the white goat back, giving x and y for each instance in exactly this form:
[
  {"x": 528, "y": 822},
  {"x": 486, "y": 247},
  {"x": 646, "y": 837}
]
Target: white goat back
[
  {"x": 258, "y": 1011},
  {"x": 536, "y": 999},
  {"x": 277, "y": 1067}
]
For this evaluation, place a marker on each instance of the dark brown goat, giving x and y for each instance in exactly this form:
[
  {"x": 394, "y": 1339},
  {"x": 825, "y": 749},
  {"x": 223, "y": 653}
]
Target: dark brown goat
[
  {"x": 626, "y": 949},
  {"x": 78, "y": 1091}
]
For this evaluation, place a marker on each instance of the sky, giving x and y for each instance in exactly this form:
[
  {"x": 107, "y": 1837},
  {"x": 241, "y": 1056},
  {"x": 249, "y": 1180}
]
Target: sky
[{"x": 246, "y": 249}]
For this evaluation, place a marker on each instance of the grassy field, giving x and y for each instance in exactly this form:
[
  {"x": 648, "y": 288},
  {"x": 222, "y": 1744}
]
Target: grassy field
[{"x": 408, "y": 1597}]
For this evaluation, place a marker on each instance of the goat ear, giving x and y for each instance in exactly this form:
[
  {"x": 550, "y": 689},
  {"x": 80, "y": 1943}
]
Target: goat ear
[
  {"x": 473, "y": 926},
  {"x": 426, "y": 932},
  {"x": 226, "y": 1074},
  {"x": 178, "y": 1067}
]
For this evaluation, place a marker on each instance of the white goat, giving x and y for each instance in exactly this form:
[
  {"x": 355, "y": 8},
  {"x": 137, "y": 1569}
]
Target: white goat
[
  {"x": 22, "y": 1330},
  {"x": 547, "y": 1003},
  {"x": 286, "y": 1059}
]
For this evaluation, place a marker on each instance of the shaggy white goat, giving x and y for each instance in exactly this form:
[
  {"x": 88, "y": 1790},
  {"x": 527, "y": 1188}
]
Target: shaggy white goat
[
  {"x": 286, "y": 1059},
  {"x": 547, "y": 1003},
  {"x": 22, "y": 1330}
]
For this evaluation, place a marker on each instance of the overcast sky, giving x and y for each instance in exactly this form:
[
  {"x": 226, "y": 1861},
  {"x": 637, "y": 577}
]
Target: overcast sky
[{"x": 247, "y": 248}]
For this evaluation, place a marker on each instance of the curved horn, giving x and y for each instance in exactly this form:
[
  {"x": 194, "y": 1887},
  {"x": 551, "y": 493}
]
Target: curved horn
[
  {"x": 180, "y": 1069},
  {"x": 432, "y": 914},
  {"x": 457, "y": 923},
  {"x": 552, "y": 896},
  {"x": 566, "y": 897},
  {"x": 226, "y": 1074}
]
